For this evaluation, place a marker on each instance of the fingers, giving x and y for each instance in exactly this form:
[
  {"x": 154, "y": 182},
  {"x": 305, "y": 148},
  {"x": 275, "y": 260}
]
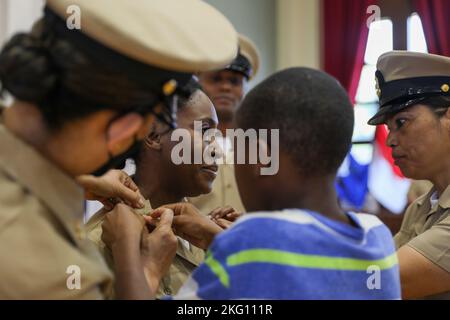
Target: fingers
[
  {"x": 177, "y": 209},
  {"x": 227, "y": 213},
  {"x": 107, "y": 205},
  {"x": 166, "y": 219},
  {"x": 161, "y": 220},
  {"x": 156, "y": 214},
  {"x": 150, "y": 223},
  {"x": 179, "y": 222},
  {"x": 224, "y": 224},
  {"x": 233, "y": 216},
  {"x": 221, "y": 212},
  {"x": 114, "y": 184},
  {"x": 130, "y": 197},
  {"x": 129, "y": 183}
]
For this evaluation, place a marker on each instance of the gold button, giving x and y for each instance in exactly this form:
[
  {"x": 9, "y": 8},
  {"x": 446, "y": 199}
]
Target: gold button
[
  {"x": 445, "y": 88},
  {"x": 169, "y": 87}
]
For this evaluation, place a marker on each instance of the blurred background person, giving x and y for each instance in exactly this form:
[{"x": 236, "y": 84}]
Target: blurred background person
[{"x": 226, "y": 88}]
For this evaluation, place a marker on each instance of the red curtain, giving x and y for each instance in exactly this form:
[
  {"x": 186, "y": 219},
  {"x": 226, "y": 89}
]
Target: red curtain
[
  {"x": 344, "y": 40},
  {"x": 435, "y": 16}
]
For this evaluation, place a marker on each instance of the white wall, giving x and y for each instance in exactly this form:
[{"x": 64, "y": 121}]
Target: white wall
[
  {"x": 17, "y": 16},
  {"x": 298, "y": 33},
  {"x": 257, "y": 20},
  {"x": 286, "y": 32}
]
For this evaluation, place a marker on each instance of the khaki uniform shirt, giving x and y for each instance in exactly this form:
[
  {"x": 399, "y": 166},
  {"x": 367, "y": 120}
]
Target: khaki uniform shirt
[
  {"x": 43, "y": 244},
  {"x": 418, "y": 188},
  {"x": 224, "y": 191},
  {"x": 183, "y": 265},
  {"x": 427, "y": 230}
]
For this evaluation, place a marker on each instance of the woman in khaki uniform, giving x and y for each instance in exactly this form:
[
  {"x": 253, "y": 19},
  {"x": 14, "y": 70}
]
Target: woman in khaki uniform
[
  {"x": 226, "y": 88},
  {"x": 85, "y": 98},
  {"x": 414, "y": 91},
  {"x": 162, "y": 182}
]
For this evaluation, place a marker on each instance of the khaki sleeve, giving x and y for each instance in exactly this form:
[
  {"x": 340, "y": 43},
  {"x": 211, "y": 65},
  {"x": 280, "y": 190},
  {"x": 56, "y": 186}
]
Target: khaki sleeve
[
  {"x": 434, "y": 244},
  {"x": 39, "y": 262},
  {"x": 405, "y": 233}
]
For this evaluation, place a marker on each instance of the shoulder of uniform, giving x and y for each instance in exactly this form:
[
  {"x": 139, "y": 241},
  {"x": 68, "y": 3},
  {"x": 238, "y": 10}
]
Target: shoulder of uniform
[
  {"x": 15, "y": 200},
  {"x": 421, "y": 200},
  {"x": 94, "y": 227},
  {"x": 96, "y": 220},
  {"x": 414, "y": 207}
]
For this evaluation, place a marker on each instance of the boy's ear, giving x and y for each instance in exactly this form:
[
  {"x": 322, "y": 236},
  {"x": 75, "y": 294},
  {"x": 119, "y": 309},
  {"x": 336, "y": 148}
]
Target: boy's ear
[{"x": 122, "y": 132}]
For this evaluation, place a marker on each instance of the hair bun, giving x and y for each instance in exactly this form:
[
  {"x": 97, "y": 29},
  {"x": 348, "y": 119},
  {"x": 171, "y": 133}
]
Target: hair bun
[{"x": 26, "y": 68}]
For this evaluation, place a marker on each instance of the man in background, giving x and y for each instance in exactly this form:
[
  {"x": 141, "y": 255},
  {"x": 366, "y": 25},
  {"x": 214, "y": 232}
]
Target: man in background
[{"x": 226, "y": 89}]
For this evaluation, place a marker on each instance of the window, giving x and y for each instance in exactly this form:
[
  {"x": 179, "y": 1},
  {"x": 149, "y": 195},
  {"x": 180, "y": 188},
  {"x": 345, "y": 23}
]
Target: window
[
  {"x": 380, "y": 40},
  {"x": 415, "y": 36}
]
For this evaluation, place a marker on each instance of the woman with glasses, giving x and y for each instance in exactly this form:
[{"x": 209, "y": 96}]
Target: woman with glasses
[{"x": 84, "y": 100}]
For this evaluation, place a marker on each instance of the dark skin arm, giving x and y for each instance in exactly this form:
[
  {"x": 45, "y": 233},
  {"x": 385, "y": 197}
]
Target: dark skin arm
[
  {"x": 131, "y": 283},
  {"x": 419, "y": 276},
  {"x": 190, "y": 224},
  {"x": 224, "y": 216}
]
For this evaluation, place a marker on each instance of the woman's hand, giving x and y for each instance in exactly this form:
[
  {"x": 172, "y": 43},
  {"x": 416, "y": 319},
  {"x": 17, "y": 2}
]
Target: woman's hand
[
  {"x": 122, "y": 224},
  {"x": 113, "y": 187},
  {"x": 141, "y": 258},
  {"x": 224, "y": 216},
  {"x": 158, "y": 248},
  {"x": 189, "y": 224}
]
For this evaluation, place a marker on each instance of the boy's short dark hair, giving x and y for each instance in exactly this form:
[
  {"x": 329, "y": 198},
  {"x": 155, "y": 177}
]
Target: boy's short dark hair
[{"x": 311, "y": 110}]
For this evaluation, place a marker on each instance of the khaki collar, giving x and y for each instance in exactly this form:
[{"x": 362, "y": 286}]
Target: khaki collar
[
  {"x": 425, "y": 198},
  {"x": 444, "y": 200},
  {"x": 58, "y": 191},
  {"x": 193, "y": 255}
]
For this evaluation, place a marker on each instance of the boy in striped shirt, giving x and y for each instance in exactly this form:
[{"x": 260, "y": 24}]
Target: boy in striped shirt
[{"x": 295, "y": 242}]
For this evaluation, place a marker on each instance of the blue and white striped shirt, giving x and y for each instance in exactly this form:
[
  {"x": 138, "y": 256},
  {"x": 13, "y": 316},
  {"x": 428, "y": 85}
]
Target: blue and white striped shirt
[{"x": 298, "y": 254}]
